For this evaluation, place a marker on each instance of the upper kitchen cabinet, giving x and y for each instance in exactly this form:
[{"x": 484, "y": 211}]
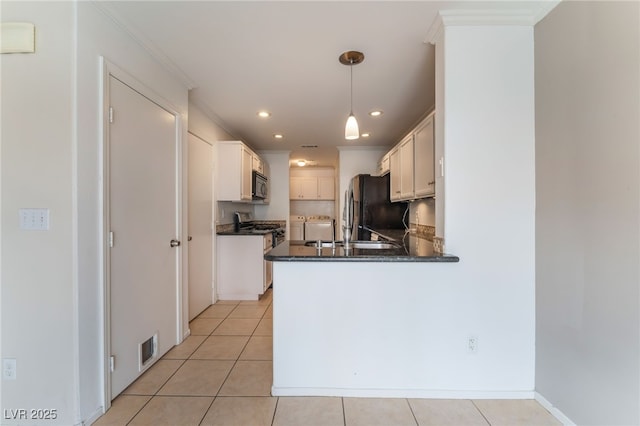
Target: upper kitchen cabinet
[
  {"x": 394, "y": 169},
  {"x": 257, "y": 164},
  {"x": 411, "y": 163},
  {"x": 303, "y": 188},
  {"x": 235, "y": 165},
  {"x": 406, "y": 168},
  {"x": 312, "y": 184},
  {"x": 383, "y": 164},
  {"x": 424, "y": 167}
]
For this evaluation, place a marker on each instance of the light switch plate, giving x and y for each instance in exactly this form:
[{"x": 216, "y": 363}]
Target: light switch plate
[
  {"x": 17, "y": 37},
  {"x": 9, "y": 369},
  {"x": 34, "y": 219}
]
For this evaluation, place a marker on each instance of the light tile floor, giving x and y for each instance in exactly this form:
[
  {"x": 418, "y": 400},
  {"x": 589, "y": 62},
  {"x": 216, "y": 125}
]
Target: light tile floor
[{"x": 221, "y": 375}]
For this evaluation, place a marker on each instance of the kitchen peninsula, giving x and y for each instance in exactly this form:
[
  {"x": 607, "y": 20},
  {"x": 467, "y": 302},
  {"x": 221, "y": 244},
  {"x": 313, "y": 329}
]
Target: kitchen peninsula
[{"x": 355, "y": 322}]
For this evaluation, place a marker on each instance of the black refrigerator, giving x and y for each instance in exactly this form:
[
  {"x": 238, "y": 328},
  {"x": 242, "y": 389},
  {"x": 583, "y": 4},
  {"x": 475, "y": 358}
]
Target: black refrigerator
[{"x": 372, "y": 207}]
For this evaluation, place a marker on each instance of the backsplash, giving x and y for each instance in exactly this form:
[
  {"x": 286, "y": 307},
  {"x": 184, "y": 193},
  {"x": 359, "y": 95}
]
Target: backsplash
[{"x": 423, "y": 231}]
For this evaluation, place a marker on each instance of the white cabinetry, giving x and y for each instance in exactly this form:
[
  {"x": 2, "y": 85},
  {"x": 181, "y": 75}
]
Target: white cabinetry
[
  {"x": 257, "y": 164},
  {"x": 411, "y": 164},
  {"x": 383, "y": 165},
  {"x": 424, "y": 166},
  {"x": 235, "y": 165},
  {"x": 311, "y": 188},
  {"x": 303, "y": 188},
  {"x": 242, "y": 272},
  {"x": 326, "y": 188},
  {"x": 394, "y": 168},
  {"x": 406, "y": 168}
]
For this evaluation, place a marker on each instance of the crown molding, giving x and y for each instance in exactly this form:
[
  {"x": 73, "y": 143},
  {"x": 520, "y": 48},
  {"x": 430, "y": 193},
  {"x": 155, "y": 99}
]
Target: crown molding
[
  {"x": 155, "y": 52},
  {"x": 487, "y": 17}
]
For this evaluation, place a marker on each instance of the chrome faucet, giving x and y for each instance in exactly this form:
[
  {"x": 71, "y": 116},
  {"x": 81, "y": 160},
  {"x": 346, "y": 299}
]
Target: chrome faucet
[{"x": 347, "y": 219}]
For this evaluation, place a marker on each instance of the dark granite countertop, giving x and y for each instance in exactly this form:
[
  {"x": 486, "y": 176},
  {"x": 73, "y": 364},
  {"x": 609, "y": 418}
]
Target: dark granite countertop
[
  {"x": 411, "y": 249},
  {"x": 253, "y": 232}
]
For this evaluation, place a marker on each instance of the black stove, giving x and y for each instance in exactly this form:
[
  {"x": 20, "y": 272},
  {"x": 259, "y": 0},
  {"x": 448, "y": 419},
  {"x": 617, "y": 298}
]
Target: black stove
[{"x": 243, "y": 222}]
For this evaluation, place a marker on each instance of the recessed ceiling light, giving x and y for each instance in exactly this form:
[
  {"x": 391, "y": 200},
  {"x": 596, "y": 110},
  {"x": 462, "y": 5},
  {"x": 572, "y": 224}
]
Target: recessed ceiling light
[
  {"x": 376, "y": 113},
  {"x": 264, "y": 114},
  {"x": 278, "y": 136},
  {"x": 301, "y": 163},
  {"x": 365, "y": 135}
]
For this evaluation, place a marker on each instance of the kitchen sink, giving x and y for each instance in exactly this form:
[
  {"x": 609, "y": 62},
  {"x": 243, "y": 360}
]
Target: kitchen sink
[
  {"x": 374, "y": 245},
  {"x": 379, "y": 245}
]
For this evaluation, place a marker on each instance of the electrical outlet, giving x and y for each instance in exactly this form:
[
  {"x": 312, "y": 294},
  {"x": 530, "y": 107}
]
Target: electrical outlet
[
  {"x": 472, "y": 344},
  {"x": 9, "y": 369}
]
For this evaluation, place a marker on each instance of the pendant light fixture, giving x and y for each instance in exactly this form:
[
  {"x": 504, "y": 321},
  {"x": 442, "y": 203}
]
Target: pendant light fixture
[{"x": 351, "y": 58}]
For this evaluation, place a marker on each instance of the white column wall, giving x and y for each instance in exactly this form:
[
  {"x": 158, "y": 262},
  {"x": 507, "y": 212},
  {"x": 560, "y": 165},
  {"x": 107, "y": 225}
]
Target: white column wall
[{"x": 485, "y": 107}]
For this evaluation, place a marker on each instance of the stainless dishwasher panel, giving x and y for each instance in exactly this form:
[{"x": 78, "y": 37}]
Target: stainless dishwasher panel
[{"x": 318, "y": 230}]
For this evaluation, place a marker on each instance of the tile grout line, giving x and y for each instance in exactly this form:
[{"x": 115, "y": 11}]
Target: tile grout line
[
  {"x": 480, "y": 411},
  {"x": 189, "y": 358},
  {"x": 412, "y": 412},
  {"x": 177, "y": 369}
]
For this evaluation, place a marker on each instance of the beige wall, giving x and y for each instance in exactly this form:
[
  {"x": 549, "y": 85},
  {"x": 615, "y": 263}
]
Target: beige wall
[
  {"x": 51, "y": 157},
  {"x": 38, "y": 279},
  {"x": 587, "y": 220}
]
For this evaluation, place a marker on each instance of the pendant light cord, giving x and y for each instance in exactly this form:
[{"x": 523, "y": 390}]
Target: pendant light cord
[{"x": 351, "y": 66}]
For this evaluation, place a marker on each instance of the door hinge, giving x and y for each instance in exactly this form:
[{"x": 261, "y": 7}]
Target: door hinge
[
  {"x": 112, "y": 363},
  {"x": 110, "y": 114},
  {"x": 111, "y": 239}
]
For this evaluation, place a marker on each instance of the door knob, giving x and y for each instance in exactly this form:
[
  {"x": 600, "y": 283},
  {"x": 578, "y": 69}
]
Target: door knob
[{"x": 174, "y": 243}]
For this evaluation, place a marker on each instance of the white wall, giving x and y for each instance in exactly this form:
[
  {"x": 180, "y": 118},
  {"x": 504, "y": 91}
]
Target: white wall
[
  {"x": 588, "y": 196},
  {"x": 99, "y": 36},
  {"x": 52, "y": 157},
  {"x": 354, "y": 160},
  {"x": 488, "y": 127},
  {"x": 278, "y": 207},
  {"x": 39, "y": 280}
]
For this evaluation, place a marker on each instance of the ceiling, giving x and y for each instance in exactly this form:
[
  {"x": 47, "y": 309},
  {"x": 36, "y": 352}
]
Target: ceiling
[{"x": 240, "y": 57}]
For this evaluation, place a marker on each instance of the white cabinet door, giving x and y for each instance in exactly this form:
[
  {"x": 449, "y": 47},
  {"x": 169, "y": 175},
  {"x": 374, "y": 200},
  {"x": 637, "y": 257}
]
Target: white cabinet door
[
  {"x": 200, "y": 239},
  {"x": 256, "y": 164},
  {"x": 326, "y": 188},
  {"x": 383, "y": 165},
  {"x": 394, "y": 168},
  {"x": 303, "y": 188},
  {"x": 247, "y": 158},
  {"x": 406, "y": 168},
  {"x": 424, "y": 176},
  {"x": 233, "y": 171},
  {"x": 240, "y": 267}
]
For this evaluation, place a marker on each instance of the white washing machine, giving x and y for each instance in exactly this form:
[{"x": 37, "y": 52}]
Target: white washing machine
[
  {"x": 318, "y": 228},
  {"x": 296, "y": 227}
]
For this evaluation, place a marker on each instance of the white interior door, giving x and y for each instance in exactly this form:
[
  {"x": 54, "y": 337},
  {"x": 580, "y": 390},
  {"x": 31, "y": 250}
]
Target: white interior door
[
  {"x": 200, "y": 225},
  {"x": 143, "y": 280}
]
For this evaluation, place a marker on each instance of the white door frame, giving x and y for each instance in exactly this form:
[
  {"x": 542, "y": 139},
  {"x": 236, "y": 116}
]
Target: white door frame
[{"x": 110, "y": 69}]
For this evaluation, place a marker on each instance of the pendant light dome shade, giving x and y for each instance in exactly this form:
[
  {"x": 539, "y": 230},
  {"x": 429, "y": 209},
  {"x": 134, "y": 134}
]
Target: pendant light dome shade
[
  {"x": 351, "y": 58},
  {"x": 351, "y": 130}
]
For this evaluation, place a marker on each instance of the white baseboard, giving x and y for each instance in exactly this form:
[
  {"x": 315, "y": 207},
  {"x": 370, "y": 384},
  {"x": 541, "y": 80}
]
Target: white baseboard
[
  {"x": 553, "y": 410},
  {"x": 401, "y": 393},
  {"x": 93, "y": 417}
]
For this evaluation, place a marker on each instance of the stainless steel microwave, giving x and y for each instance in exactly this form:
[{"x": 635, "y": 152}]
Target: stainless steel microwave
[{"x": 259, "y": 187}]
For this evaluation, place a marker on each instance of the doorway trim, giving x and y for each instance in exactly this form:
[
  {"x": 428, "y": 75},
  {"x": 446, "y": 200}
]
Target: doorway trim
[{"x": 109, "y": 69}]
